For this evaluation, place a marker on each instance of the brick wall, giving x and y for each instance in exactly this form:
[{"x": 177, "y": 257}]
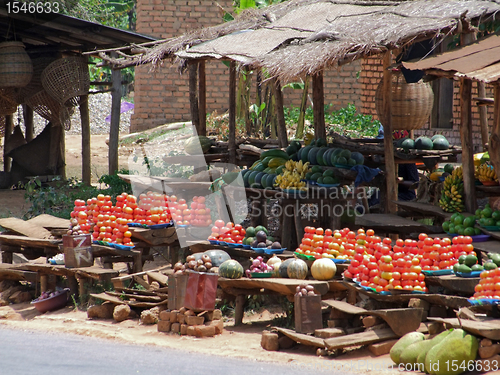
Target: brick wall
[
  {"x": 371, "y": 75},
  {"x": 163, "y": 97}
]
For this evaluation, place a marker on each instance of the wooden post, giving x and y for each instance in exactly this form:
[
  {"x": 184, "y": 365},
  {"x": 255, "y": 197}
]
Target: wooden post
[
  {"x": 114, "y": 130},
  {"x": 28, "y": 122},
  {"x": 318, "y": 106},
  {"x": 494, "y": 143},
  {"x": 483, "y": 115},
  {"x": 467, "y": 146},
  {"x": 239, "y": 309},
  {"x": 202, "y": 99},
  {"x": 193, "y": 95},
  {"x": 85, "y": 120},
  {"x": 232, "y": 113},
  {"x": 280, "y": 114},
  {"x": 8, "y": 132},
  {"x": 390, "y": 165}
]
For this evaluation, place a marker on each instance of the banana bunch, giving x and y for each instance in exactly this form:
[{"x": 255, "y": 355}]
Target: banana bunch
[
  {"x": 308, "y": 138},
  {"x": 292, "y": 176},
  {"x": 485, "y": 173},
  {"x": 452, "y": 193}
]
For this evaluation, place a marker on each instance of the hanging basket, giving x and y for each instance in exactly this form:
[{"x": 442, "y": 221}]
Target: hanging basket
[
  {"x": 67, "y": 79},
  {"x": 8, "y": 104},
  {"x": 411, "y": 103},
  {"x": 35, "y": 85},
  {"x": 2, "y": 125},
  {"x": 48, "y": 108},
  {"x": 16, "y": 67}
]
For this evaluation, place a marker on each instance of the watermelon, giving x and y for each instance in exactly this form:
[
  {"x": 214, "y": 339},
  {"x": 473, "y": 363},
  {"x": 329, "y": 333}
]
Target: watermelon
[
  {"x": 440, "y": 143},
  {"x": 305, "y": 153},
  {"x": 358, "y": 157},
  {"x": 320, "y": 156},
  {"x": 408, "y": 144},
  {"x": 312, "y": 155},
  {"x": 231, "y": 269},
  {"x": 217, "y": 256},
  {"x": 423, "y": 143}
]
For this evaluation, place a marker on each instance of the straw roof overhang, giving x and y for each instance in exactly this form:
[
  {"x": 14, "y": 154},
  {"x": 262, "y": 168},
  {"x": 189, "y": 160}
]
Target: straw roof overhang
[
  {"x": 301, "y": 37},
  {"x": 479, "y": 61}
]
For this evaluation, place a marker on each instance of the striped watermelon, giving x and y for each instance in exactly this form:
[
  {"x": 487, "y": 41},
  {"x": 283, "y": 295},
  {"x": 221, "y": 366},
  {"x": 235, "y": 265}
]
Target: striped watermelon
[{"x": 231, "y": 269}]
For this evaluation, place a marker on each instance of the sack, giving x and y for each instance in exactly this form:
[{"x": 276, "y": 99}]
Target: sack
[{"x": 201, "y": 291}]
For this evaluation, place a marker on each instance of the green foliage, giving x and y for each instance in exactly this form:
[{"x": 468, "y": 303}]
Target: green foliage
[
  {"x": 58, "y": 198},
  {"x": 158, "y": 167},
  {"x": 345, "y": 121}
]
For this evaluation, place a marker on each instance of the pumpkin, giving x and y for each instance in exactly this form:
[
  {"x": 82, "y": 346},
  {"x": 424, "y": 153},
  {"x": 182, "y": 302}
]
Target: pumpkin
[
  {"x": 297, "y": 269},
  {"x": 323, "y": 269},
  {"x": 217, "y": 256},
  {"x": 283, "y": 268},
  {"x": 231, "y": 269}
]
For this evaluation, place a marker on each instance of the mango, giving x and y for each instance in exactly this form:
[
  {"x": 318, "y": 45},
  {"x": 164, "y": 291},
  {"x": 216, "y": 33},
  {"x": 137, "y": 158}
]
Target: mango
[{"x": 404, "y": 342}]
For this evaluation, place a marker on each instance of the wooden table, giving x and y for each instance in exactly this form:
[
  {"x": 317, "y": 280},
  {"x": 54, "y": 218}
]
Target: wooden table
[
  {"x": 461, "y": 285},
  {"x": 30, "y": 247},
  {"x": 286, "y": 287},
  {"x": 390, "y": 223}
]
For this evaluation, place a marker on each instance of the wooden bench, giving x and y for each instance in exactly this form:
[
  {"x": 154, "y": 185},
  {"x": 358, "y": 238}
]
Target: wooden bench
[{"x": 391, "y": 223}]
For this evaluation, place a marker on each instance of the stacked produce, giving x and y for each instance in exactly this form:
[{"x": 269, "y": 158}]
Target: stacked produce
[
  {"x": 209, "y": 261},
  {"x": 489, "y": 279},
  {"x": 229, "y": 232},
  {"x": 488, "y": 217},
  {"x": 258, "y": 266},
  {"x": 485, "y": 173},
  {"x": 450, "y": 352},
  {"x": 262, "y": 174},
  {"x": 461, "y": 225},
  {"x": 468, "y": 263},
  {"x": 322, "y": 176},
  {"x": 437, "y": 142},
  {"x": 48, "y": 294},
  {"x": 453, "y": 190},
  {"x": 326, "y": 243},
  {"x": 293, "y": 175},
  {"x": 305, "y": 290}
]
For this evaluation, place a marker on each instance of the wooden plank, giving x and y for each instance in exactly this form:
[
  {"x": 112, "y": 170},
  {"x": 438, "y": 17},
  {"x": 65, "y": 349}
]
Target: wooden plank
[
  {"x": 489, "y": 246},
  {"x": 280, "y": 114},
  {"x": 136, "y": 297},
  {"x": 202, "y": 99},
  {"x": 483, "y": 115},
  {"x": 118, "y": 301},
  {"x": 424, "y": 208},
  {"x": 394, "y": 224},
  {"x": 114, "y": 130},
  {"x": 360, "y": 339},
  {"x": 155, "y": 237},
  {"x": 467, "y": 146},
  {"x": 193, "y": 93},
  {"x": 390, "y": 166},
  {"x": 302, "y": 338},
  {"x": 453, "y": 283},
  {"x": 494, "y": 142},
  {"x": 401, "y": 321},
  {"x": 10, "y": 274},
  {"x": 28, "y": 123},
  {"x": 11, "y": 239},
  {"x": 344, "y": 307},
  {"x": 158, "y": 277},
  {"x": 25, "y": 228},
  {"x": 232, "y": 113},
  {"x": 318, "y": 95},
  {"x": 488, "y": 328},
  {"x": 85, "y": 125},
  {"x": 49, "y": 222},
  {"x": 283, "y": 286},
  {"x": 9, "y": 127}
]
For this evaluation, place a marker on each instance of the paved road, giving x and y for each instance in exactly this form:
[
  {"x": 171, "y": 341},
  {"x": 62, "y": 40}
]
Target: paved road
[{"x": 37, "y": 353}]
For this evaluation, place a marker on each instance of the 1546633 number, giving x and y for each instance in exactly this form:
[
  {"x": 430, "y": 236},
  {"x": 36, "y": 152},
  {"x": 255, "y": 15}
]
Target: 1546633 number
[{"x": 32, "y": 7}]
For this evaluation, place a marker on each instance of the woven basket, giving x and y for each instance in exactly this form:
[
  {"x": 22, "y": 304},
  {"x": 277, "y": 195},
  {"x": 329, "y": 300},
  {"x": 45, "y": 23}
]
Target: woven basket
[
  {"x": 16, "y": 67},
  {"x": 2, "y": 126},
  {"x": 67, "y": 79},
  {"x": 8, "y": 102},
  {"x": 411, "y": 103},
  {"x": 35, "y": 85},
  {"x": 48, "y": 108}
]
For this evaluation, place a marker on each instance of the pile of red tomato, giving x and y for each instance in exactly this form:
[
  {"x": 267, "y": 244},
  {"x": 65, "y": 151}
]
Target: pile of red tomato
[
  {"x": 109, "y": 222},
  {"x": 489, "y": 285},
  {"x": 227, "y": 232}
]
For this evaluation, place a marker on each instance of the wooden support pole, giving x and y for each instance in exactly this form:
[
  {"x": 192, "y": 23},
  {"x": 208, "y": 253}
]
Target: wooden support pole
[
  {"x": 232, "y": 113},
  {"x": 28, "y": 123},
  {"x": 85, "y": 120},
  {"x": 202, "y": 99},
  {"x": 61, "y": 169},
  {"x": 114, "y": 130},
  {"x": 193, "y": 95},
  {"x": 318, "y": 106},
  {"x": 9, "y": 125},
  {"x": 280, "y": 115},
  {"x": 494, "y": 143},
  {"x": 467, "y": 146},
  {"x": 483, "y": 115},
  {"x": 239, "y": 309},
  {"x": 390, "y": 165}
]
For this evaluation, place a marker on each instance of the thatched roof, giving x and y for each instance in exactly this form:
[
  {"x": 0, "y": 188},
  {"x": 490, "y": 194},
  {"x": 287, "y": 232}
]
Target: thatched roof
[
  {"x": 478, "y": 61},
  {"x": 301, "y": 37}
]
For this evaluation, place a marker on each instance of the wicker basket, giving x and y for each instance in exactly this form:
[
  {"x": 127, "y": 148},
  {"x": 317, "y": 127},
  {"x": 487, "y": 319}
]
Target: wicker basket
[
  {"x": 48, "y": 108},
  {"x": 67, "y": 79},
  {"x": 2, "y": 126},
  {"x": 35, "y": 85},
  {"x": 8, "y": 102},
  {"x": 16, "y": 67},
  {"x": 411, "y": 103}
]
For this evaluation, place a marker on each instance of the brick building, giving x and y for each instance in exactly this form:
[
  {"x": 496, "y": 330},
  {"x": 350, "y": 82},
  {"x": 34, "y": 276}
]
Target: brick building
[{"x": 163, "y": 97}]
